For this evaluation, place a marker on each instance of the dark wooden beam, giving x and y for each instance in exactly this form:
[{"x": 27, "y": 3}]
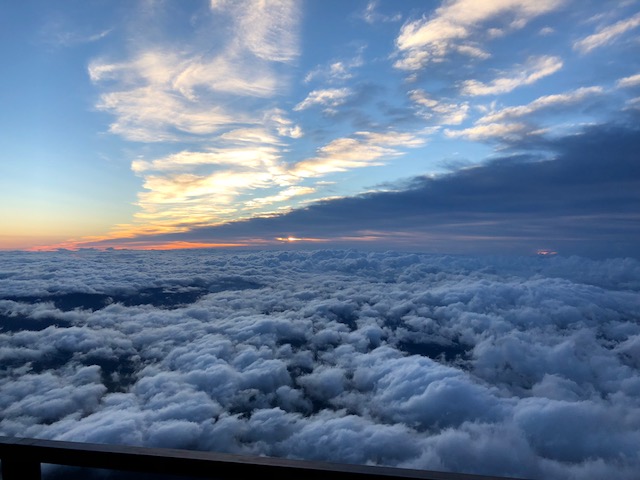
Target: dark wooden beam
[{"x": 27, "y": 452}]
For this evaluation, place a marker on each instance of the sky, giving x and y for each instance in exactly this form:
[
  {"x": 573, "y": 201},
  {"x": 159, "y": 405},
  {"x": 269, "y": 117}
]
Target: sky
[{"x": 459, "y": 126}]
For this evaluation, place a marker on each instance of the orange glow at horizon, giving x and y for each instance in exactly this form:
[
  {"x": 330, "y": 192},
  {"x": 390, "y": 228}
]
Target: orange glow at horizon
[{"x": 177, "y": 245}]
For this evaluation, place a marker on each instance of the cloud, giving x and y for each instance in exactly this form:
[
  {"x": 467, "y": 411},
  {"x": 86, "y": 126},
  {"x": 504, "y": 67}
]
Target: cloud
[
  {"x": 337, "y": 70},
  {"x": 156, "y": 94},
  {"x": 268, "y": 29},
  {"x": 282, "y": 196},
  {"x": 504, "y": 132},
  {"x": 371, "y": 14},
  {"x": 328, "y": 98},
  {"x": 574, "y": 193},
  {"x": 361, "y": 150},
  {"x": 165, "y": 90},
  {"x": 455, "y": 25},
  {"x": 546, "y": 102},
  {"x": 606, "y": 35},
  {"x": 627, "y": 82},
  {"x": 444, "y": 112},
  {"x": 320, "y": 349},
  {"x": 533, "y": 70}
]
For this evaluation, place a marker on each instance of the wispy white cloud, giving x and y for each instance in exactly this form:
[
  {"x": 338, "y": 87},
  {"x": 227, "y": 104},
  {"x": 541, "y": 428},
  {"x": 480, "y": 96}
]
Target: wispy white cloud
[
  {"x": 543, "y": 103},
  {"x": 282, "y": 196},
  {"x": 444, "y": 112},
  {"x": 490, "y": 131},
  {"x": 361, "y": 150},
  {"x": 329, "y": 98},
  {"x": 607, "y": 35},
  {"x": 631, "y": 81},
  {"x": 337, "y": 70},
  {"x": 166, "y": 89},
  {"x": 269, "y": 29},
  {"x": 455, "y": 25},
  {"x": 191, "y": 188},
  {"x": 533, "y": 70},
  {"x": 371, "y": 14},
  {"x": 219, "y": 98},
  {"x": 249, "y": 157},
  {"x": 150, "y": 115}
]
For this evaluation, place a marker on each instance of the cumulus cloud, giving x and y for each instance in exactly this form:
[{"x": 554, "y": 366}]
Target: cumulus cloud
[
  {"x": 607, "y": 35},
  {"x": 456, "y": 26},
  {"x": 421, "y": 361},
  {"x": 533, "y": 70}
]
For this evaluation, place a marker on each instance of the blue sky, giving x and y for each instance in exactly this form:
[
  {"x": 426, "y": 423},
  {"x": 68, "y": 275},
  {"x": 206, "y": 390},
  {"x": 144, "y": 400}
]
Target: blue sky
[{"x": 456, "y": 126}]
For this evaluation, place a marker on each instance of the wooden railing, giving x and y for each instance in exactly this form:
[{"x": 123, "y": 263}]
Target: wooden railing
[{"x": 21, "y": 459}]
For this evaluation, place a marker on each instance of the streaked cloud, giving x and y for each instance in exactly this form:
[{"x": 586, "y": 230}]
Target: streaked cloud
[
  {"x": 631, "y": 81},
  {"x": 329, "y": 99},
  {"x": 490, "y": 131},
  {"x": 371, "y": 14},
  {"x": 444, "y": 112},
  {"x": 543, "y": 103},
  {"x": 458, "y": 25},
  {"x": 533, "y": 70},
  {"x": 282, "y": 196},
  {"x": 268, "y": 29},
  {"x": 337, "y": 71},
  {"x": 168, "y": 90},
  {"x": 361, "y": 150},
  {"x": 607, "y": 35}
]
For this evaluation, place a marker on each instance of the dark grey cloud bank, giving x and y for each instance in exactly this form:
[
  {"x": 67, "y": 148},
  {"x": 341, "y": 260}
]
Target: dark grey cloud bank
[
  {"x": 518, "y": 366},
  {"x": 578, "y": 194}
]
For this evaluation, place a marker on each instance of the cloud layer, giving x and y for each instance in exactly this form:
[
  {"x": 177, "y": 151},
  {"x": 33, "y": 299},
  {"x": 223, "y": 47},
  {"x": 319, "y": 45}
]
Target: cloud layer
[
  {"x": 581, "y": 195},
  {"x": 509, "y": 366}
]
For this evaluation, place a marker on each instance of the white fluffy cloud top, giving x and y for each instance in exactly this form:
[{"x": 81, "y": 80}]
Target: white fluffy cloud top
[{"x": 508, "y": 366}]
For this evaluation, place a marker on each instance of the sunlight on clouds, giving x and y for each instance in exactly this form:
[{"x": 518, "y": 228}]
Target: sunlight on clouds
[
  {"x": 206, "y": 188},
  {"x": 366, "y": 149},
  {"x": 454, "y": 26},
  {"x": 269, "y": 29},
  {"x": 607, "y": 35},
  {"x": 149, "y": 115},
  {"x": 337, "y": 70},
  {"x": 631, "y": 81},
  {"x": 187, "y": 87},
  {"x": 282, "y": 196},
  {"x": 488, "y": 131},
  {"x": 247, "y": 158},
  {"x": 328, "y": 98},
  {"x": 371, "y": 14},
  {"x": 533, "y": 70},
  {"x": 543, "y": 103},
  {"x": 446, "y": 113}
]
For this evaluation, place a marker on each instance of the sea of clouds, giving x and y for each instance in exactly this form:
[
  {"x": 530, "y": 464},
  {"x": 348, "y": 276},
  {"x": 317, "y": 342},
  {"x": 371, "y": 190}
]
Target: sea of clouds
[{"x": 514, "y": 366}]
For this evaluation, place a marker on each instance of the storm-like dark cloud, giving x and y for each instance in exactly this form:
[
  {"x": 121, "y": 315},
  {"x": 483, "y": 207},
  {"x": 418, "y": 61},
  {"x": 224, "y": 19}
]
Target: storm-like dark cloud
[
  {"x": 578, "y": 194},
  {"x": 518, "y": 366}
]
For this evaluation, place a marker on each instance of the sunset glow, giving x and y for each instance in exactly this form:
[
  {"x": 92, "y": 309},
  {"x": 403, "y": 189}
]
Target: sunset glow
[{"x": 228, "y": 123}]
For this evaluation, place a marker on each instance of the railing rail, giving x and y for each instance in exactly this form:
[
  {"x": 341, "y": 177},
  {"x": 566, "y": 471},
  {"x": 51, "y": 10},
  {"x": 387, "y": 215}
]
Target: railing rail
[{"x": 21, "y": 459}]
